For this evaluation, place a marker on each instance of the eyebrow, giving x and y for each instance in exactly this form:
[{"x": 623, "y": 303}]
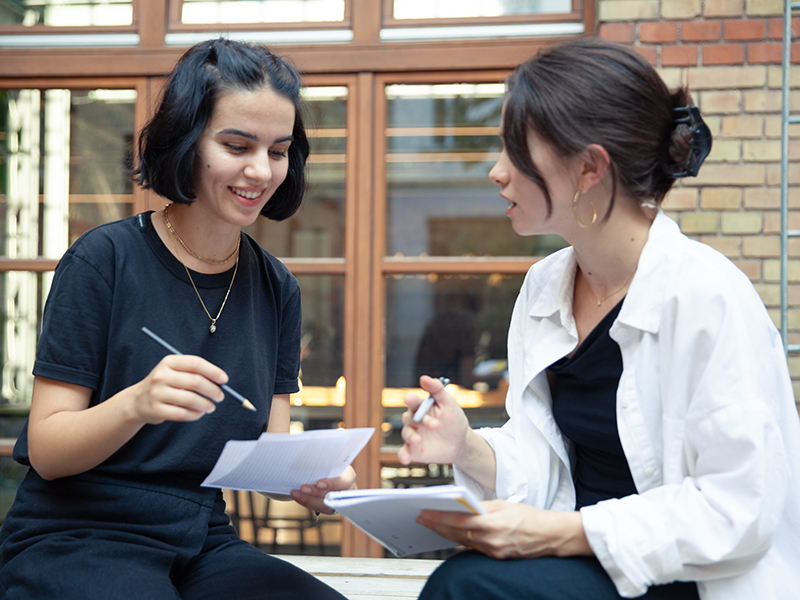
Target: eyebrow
[{"x": 250, "y": 136}]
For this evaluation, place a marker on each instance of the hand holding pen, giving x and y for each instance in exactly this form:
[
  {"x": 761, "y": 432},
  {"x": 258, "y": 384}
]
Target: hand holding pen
[{"x": 441, "y": 436}]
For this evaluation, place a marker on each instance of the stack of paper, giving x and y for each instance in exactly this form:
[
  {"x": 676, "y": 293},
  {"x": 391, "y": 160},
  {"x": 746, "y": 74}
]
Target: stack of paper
[{"x": 390, "y": 515}]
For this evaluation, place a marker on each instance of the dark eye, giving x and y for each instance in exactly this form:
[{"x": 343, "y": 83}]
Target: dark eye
[
  {"x": 281, "y": 153},
  {"x": 235, "y": 147}
]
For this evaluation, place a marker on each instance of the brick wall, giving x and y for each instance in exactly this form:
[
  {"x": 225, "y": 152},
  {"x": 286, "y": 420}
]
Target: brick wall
[{"x": 729, "y": 54}]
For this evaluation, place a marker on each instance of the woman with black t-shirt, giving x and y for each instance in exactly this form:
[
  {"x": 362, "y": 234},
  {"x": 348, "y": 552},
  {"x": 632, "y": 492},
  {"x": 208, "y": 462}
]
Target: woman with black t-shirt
[{"x": 119, "y": 436}]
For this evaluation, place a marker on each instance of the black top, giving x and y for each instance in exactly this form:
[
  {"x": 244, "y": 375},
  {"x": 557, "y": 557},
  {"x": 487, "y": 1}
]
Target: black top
[
  {"x": 584, "y": 406},
  {"x": 120, "y": 277}
]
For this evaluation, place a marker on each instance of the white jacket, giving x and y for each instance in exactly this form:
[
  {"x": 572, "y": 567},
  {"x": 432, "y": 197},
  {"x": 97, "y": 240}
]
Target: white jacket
[{"x": 706, "y": 416}]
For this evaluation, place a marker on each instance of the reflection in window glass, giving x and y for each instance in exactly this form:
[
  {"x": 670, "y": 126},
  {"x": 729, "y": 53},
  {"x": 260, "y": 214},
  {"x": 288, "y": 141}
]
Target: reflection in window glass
[
  {"x": 261, "y": 11},
  {"x": 447, "y": 9},
  {"x": 66, "y": 13},
  {"x": 23, "y": 298},
  {"x": 319, "y": 403},
  {"x": 452, "y": 326},
  {"x": 63, "y": 155},
  {"x": 11, "y": 472},
  {"x": 317, "y": 230},
  {"x": 442, "y": 140}
]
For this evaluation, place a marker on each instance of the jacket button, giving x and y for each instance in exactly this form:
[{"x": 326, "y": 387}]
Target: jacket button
[
  {"x": 625, "y": 403},
  {"x": 650, "y": 471}
]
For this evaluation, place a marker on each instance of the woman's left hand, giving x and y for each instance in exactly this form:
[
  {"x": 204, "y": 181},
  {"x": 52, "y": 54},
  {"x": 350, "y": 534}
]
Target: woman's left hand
[
  {"x": 312, "y": 495},
  {"x": 512, "y": 530}
]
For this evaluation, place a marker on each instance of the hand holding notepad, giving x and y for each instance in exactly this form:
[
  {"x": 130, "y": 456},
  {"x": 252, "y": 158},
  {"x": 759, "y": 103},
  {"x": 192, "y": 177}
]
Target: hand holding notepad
[{"x": 390, "y": 515}]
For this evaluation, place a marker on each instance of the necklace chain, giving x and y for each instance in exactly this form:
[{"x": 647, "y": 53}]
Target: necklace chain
[
  {"x": 213, "y": 327},
  {"x": 210, "y": 261},
  {"x": 622, "y": 287}
]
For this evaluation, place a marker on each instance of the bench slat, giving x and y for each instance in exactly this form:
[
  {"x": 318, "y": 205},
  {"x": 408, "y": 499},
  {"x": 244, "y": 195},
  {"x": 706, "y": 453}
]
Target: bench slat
[{"x": 368, "y": 578}]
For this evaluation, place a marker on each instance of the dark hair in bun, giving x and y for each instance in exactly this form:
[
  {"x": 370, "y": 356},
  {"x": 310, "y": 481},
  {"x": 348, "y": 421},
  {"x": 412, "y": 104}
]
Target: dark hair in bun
[{"x": 590, "y": 91}]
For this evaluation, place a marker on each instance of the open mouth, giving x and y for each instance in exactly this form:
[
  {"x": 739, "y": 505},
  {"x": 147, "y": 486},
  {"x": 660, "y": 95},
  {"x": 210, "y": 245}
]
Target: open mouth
[{"x": 245, "y": 194}]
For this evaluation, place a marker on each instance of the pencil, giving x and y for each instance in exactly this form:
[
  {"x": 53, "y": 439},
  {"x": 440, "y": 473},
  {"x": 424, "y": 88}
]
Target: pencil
[{"x": 245, "y": 402}]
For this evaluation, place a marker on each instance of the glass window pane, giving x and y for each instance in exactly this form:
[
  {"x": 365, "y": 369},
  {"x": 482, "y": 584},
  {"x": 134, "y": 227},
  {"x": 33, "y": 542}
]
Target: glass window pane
[
  {"x": 23, "y": 295},
  {"x": 442, "y": 140},
  {"x": 11, "y": 472},
  {"x": 444, "y": 9},
  {"x": 63, "y": 155},
  {"x": 261, "y": 11},
  {"x": 452, "y": 326},
  {"x": 66, "y": 13},
  {"x": 319, "y": 403},
  {"x": 317, "y": 230}
]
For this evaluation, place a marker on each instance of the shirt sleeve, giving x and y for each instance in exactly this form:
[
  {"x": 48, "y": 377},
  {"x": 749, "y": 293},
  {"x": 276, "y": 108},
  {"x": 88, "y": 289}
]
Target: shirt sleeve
[
  {"x": 288, "y": 366},
  {"x": 73, "y": 344}
]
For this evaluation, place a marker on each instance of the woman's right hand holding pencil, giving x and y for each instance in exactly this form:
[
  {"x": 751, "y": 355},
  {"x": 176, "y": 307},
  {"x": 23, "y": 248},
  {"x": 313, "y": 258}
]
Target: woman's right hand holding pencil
[{"x": 179, "y": 388}]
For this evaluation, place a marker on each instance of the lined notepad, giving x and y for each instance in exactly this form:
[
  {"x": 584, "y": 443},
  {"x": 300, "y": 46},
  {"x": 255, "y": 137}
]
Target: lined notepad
[
  {"x": 278, "y": 463},
  {"x": 389, "y": 515}
]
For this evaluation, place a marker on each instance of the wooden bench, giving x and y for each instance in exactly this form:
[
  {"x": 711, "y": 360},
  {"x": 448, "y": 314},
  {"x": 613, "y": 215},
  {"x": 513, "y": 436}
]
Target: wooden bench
[{"x": 368, "y": 578}]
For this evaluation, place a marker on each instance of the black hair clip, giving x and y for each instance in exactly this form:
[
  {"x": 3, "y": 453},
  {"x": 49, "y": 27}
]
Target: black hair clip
[{"x": 701, "y": 139}]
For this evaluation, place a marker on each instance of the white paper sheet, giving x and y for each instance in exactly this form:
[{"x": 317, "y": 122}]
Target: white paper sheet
[{"x": 278, "y": 463}]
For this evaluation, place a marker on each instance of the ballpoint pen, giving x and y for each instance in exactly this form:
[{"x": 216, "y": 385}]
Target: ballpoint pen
[
  {"x": 427, "y": 403},
  {"x": 245, "y": 402}
]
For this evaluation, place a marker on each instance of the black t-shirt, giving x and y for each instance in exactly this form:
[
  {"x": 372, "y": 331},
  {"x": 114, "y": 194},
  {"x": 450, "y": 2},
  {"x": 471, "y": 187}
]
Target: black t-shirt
[
  {"x": 585, "y": 408},
  {"x": 120, "y": 277}
]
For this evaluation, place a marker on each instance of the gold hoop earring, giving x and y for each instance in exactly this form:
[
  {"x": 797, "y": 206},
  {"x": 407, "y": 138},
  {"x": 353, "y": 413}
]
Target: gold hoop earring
[{"x": 575, "y": 212}]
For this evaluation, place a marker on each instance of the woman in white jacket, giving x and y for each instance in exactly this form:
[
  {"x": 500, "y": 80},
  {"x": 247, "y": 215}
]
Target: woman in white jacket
[{"x": 653, "y": 444}]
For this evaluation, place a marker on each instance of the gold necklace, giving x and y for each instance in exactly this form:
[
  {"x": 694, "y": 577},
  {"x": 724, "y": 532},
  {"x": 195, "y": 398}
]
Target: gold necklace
[
  {"x": 210, "y": 261},
  {"x": 213, "y": 327},
  {"x": 601, "y": 300}
]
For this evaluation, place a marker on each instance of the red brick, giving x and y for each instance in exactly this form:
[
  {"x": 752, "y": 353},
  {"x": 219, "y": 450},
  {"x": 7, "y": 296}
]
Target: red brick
[
  {"x": 648, "y": 52},
  {"x": 617, "y": 32},
  {"x": 775, "y": 28},
  {"x": 658, "y": 32},
  {"x": 701, "y": 31},
  {"x": 679, "y": 56},
  {"x": 741, "y": 29},
  {"x": 723, "y": 54},
  {"x": 796, "y": 53},
  {"x": 767, "y": 53}
]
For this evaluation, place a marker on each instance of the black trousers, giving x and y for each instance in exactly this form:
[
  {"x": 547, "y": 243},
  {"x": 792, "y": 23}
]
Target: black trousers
[
  {"x": 471, "y": 575},
  {"x": 83, "y": 540}
]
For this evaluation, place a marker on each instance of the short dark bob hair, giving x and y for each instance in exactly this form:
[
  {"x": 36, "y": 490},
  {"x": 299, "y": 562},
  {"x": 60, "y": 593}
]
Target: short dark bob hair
[
  {"x": 166, "y": 157},
  {"x": 590, "y": 91}
]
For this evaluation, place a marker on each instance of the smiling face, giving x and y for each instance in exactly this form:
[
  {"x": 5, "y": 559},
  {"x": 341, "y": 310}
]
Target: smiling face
[
  {"x": 242, "y": 156},
  {"x": 527, "y": 206}
]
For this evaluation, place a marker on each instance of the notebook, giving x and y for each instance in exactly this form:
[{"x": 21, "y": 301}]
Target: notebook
[{"x": 389, "y": 515}]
